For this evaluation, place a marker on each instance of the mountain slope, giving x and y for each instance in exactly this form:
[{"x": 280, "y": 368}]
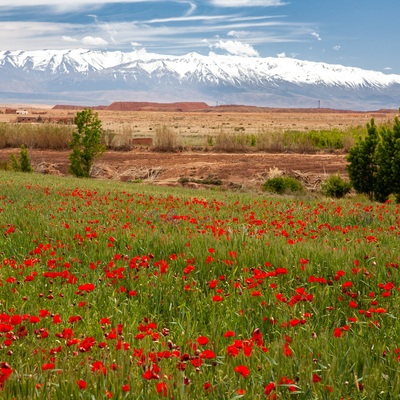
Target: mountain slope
[{"x": 81, "y": 75}]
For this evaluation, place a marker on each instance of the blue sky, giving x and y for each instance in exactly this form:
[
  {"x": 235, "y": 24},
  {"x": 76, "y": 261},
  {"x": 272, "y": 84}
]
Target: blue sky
[{"x": 359, "y": 33}]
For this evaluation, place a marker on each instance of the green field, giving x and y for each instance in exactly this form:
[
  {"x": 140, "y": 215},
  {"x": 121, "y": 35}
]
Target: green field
[{"x": 126, "y": 291}]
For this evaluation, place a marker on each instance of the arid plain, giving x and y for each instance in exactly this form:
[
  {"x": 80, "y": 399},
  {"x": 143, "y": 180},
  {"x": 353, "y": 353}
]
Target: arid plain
[{"x": 196, "y": 160}]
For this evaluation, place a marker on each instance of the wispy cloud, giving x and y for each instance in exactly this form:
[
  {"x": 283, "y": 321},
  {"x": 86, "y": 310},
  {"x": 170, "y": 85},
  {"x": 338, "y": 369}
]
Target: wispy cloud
[
  {"x": 62, "y": 5},
  {"x": 247, "y": 3},
  {"x": 178, "y": 27}
]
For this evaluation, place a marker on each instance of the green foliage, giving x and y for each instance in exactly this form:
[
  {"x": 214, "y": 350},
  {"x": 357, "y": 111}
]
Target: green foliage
[
  {"x": 301, "y": 291},
  {"x": 283, "y": 185},
  {"x": 335, "y": 186},
  {"x": 86, "y": 143},
  {"x": 374, "y": 162},
  {"x": 362, "y": 168},
  {"x": 22, "y": 164}
]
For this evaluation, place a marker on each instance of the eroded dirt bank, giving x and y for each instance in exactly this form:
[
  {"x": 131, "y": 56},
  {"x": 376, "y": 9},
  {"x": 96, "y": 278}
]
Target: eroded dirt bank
[{"x": 235, "y": 170}]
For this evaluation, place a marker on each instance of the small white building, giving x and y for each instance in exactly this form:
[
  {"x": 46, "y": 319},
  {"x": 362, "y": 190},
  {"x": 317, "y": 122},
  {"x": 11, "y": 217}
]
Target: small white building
[{"x": 22, "y": 112}]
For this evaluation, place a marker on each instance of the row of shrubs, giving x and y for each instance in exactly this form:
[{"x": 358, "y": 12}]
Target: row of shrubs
[
  {"x": 58, "y": 137},
  {"x": 333, "y": 186}
]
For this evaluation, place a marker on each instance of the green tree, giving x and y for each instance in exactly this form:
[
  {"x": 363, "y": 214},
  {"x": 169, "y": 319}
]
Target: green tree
[
  {"x": 22, "y": 164},
  {"x": 86, "y": 143},
  {"x": 396, "y": 159},
  {"x": 387, "y": 175},
  {"x": 362, "y": 168}
]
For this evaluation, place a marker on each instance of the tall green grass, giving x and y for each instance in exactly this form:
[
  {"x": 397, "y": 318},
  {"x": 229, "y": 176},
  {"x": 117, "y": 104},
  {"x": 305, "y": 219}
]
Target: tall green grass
[{"x": 308, "y": 288}]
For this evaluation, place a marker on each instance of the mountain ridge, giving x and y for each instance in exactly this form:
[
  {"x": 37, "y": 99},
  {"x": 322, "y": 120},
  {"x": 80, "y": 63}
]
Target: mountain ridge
[{"x": 122, "y": 76}]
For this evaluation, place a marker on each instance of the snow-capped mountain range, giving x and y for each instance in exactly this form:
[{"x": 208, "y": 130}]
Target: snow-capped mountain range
[{"x": 82, "y": 76}]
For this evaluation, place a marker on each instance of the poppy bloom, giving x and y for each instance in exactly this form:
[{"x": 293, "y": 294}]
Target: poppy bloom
[
  {"x": 269, "y": 388},
  {"x": 81, "y": 384},
  {"x": 86, "y": 287},
  {"x": 316, "y": 378},
  {"x": 47, "y": 366},
  {"x": 202, "y": 340},
  {"x": 337, "y": 332},
  {"x": 5, "y": 373},
  {"x": 242, "y": 370},
  {"x": 126, "y": 388},
  {"x": 161, "y": 388}
]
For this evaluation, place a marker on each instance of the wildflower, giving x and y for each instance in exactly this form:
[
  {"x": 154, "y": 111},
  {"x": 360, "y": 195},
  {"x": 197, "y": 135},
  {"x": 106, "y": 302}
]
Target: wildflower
[
  {"x": 5, "y": 372},
  {"x": 337, "y": 332},
  {"x": 316, "y": 378},
  {"x": 81, "y": 384},
  {"x": 269, "y": 388},
  {"x": 126, "y": 388},
  {"x": 161, "y": 388},
  {"x": 242, "y": 370},
  {"x": 202, "y": 340}
]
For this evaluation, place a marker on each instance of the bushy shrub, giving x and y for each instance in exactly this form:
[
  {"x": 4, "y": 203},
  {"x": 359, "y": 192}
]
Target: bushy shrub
[
  {"x": 22, "y": 164},
  {"x": 283, "y": 185},
  {"x": 165, "y": 139},
  {"x": 335, "y": 186}
]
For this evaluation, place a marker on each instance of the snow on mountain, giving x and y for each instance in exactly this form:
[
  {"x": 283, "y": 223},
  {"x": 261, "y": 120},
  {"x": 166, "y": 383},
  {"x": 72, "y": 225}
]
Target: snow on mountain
[{"x": 259, "y": 81}]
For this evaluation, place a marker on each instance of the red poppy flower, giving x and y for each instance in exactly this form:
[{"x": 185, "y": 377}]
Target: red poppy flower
[
  {"x": 126, "y": 388},
  {"x": 316, "y": 378},
  {"x": 202, "y": 340},
  {"x": 269, "y": 388},
  {"x": 161, "y": 388},
  {"x": 47, "y": 366},
  {"x": 81, "y": 384},
  {"x": 337, "y": 332},
  {"x": 86, "y": 287},
  {"x": 242, "y": 370}
]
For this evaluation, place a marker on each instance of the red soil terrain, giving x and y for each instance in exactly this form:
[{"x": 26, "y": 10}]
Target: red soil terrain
[{"x": 235, "y": 171}]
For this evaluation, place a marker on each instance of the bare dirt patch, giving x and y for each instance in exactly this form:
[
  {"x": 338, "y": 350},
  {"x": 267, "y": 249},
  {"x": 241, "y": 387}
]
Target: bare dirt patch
[{"x": 244, "y": 170}]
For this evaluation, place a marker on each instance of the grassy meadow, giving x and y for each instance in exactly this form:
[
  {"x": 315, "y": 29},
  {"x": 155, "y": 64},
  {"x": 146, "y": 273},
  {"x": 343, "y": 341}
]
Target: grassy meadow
[{"x": 126, "y": 291}]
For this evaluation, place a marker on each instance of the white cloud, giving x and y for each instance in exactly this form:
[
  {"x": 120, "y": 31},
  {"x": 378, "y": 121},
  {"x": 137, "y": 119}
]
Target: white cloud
[
  {"x": 93, "y": 41},
  {"x": 247, "y": 3},
  {"x": 336, "y": 48},
  {"x": 135, "y": 44},
  {"x": 316, "y": 35},
  {"x": 281, "y": 55},
  {"x": 238, "y": 34},
  {"x": 62, "y": 5},
  {"x": 69, "y": 39},
  {"x": 387, "y": 68},
  {"x": 236, "y": 48}
]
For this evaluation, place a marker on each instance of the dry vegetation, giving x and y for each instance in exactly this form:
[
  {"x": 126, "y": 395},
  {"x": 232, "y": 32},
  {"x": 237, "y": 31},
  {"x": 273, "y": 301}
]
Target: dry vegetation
[
  {"x": 218, "y": 126},
  {"x": 236, "y": 146}
]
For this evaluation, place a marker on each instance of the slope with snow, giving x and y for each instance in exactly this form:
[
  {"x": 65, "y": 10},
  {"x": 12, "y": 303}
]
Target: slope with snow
[{"x": 126, "y": 75}]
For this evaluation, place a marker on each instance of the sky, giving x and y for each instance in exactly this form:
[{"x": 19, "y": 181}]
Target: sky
[{"x": 358, "y": 33}]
